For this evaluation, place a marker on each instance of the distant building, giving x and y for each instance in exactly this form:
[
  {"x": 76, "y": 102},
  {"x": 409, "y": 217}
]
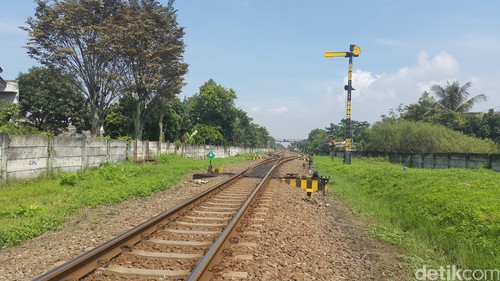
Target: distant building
[
  {"x": 9, "y": 90},
  {"x": 2, "y": 82},
  {"x": 480, "y": 114}
]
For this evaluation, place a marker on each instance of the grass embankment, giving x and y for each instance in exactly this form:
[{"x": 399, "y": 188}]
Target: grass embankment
[
  {"x": 422, "y": 137},
  {"x": 27, "y": 209},
  {"x": 440, "y": 216}
]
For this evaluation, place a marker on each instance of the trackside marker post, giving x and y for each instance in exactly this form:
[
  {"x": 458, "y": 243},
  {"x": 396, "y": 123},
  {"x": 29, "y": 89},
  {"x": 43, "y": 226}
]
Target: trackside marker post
[
  {"x": 210, "y": 156},
  {"x": 354, "y": 51}
]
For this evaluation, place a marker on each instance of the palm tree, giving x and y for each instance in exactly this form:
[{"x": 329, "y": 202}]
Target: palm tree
[
  {"x": 456, "y": 98},
  {"x": 427, "y": 105}
]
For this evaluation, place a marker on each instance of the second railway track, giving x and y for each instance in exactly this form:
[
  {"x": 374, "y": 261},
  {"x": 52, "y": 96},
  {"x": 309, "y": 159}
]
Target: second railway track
[{"x": 186, "y": 242}]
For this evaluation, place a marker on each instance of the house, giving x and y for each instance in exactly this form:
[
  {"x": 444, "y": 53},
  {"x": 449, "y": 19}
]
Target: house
[{"x": 9, "y": 90}]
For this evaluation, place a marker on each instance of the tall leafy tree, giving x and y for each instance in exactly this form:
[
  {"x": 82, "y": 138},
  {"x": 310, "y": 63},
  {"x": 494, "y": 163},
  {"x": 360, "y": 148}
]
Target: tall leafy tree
[
  {"x": 185, "y": 109},
  {"x": 455, "y": 97},
  {"x": 150, "y": 44},
  {"x": 214, "y": 106},
  {"x": 266, "y": 139},
  {"x": 50, "y": 100},
  {"x": 338, "y": 131},
  {"x": 172, "y": 122},
  {"x": 69, "y": 35},
  {"x": 10, "y": 121},
  {"x": 206, "y": 134},
  {"x": 492, "y": 123},
  {"x": 118, "y": 122},
  {"x": 426, "y": 106},
  {"x": 447, "y": 117},
  {"x": 318, "y": 141},
  {"x": 242, "y": 129},
  {"x": 485, "y": 126}
]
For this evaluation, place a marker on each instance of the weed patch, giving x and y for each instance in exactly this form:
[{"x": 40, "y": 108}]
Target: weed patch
[
  {"x": 450, "y": 215},
  {"x": 29, "y": 208}
]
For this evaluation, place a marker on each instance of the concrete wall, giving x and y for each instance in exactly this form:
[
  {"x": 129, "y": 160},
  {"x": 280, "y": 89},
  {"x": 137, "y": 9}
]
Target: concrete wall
[
  {"x": 437, "y": 160},
  {"x": 26, "y": 156},
  {"x": 67, "y": 154},
  {"x": 23, "y": 157}
]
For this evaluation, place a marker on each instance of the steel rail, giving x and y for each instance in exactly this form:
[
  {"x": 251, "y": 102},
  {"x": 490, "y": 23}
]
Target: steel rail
[
  {"x": 213, "y": 255},
  {"x": 99, "y": 256}
]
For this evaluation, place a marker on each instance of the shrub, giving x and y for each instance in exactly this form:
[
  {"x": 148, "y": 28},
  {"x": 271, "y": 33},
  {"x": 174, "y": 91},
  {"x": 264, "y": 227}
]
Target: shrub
[{"x": 420, "y": 137}]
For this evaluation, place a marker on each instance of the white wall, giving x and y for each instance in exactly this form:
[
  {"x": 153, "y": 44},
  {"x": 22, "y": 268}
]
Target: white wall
[{"x": 24, "y": 156}]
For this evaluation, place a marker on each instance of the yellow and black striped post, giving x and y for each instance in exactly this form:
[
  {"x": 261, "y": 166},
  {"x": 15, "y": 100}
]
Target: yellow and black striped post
[{"x": 307, "y": 183}]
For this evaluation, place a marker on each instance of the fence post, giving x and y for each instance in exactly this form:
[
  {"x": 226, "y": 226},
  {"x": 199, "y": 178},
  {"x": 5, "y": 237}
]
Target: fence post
[
  {"x": 50, "y": 152},
  {"x": 108, "y": 151},
  {"x": 3, "y": 166},
  {"x": 135, "y": 150},
  {"x": 84, "y": 154}
]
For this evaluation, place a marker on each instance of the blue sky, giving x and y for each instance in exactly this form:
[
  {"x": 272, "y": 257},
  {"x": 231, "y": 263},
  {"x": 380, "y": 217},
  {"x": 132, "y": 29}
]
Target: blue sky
[{"x": 271, "y": 54}]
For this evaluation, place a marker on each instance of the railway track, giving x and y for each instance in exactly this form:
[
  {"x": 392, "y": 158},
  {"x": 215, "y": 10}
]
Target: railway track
[{"x": 187, "y": 242}]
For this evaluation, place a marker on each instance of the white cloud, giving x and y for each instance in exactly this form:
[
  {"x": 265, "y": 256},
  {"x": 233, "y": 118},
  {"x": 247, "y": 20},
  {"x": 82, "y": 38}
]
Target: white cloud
[
  {"x": 254, "y": 109},
  {"x": 278, "y": 110},
  {"x": 376, "y": 94},
  {"x": 363, "y": 80},
  {"x": 441, "y": 64},
  {"x": 322, "y": 102},
  {"x": 408, "y": 80}
]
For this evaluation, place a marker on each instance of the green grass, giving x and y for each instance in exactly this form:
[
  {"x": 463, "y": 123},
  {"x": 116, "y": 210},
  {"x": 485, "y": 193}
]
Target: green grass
[
  {"x": 442, "y": 216},
  {"x": 29, "y": 208}
]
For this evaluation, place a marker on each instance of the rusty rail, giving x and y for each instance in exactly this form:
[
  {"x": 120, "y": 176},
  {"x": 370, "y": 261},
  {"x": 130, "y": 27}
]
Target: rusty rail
[
  {"x": 89, "y": 261},
  {"x": 204, "y": 270}
]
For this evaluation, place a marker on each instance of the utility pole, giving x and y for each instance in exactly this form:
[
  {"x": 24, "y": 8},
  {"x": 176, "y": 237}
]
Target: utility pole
[{"x": 354, "y": 51}]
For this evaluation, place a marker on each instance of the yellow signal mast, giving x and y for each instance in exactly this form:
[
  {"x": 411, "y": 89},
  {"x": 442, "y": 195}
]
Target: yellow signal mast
[{"x": 354, "y": 51}]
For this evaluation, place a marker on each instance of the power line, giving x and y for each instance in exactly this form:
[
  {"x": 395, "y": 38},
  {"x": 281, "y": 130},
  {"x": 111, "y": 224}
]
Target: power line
[{"x": 491, "y": 108}]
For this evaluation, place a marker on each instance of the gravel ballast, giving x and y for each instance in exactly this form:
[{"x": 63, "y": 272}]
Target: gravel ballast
[{"x": 300, "y": 239}]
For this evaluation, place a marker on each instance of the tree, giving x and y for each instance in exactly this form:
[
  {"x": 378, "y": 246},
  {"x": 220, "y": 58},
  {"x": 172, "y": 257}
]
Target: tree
[
  {"x": 69, "y": 36},
  {"x": 485, "y": 126},
  {"x": 318, "y": 141},
  {"x": 447, "y": 117},
  {"x": 9, "y": 121},
  {"x": 207, "y": 134},
  {"x": 214, "y": 106},
  {"x": 172, "y": 121},
  {"x": 426, "y": 106},
  {"x": 337, "y": 131},
  {"x": 266, "y": 139},
  {"x": 492, "y": 122},
  {"x": 150, "y": 45},
  {"x": 241, "y": 128},
  {"x": 184, "y": 110},
  {"x": 50, "y": 100},
  {"x": 118, "y": 122},
  {"x": 404, "y": 136},
  {"x": 455, "y": 97},
  {"x": 8, "y": 112}
]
